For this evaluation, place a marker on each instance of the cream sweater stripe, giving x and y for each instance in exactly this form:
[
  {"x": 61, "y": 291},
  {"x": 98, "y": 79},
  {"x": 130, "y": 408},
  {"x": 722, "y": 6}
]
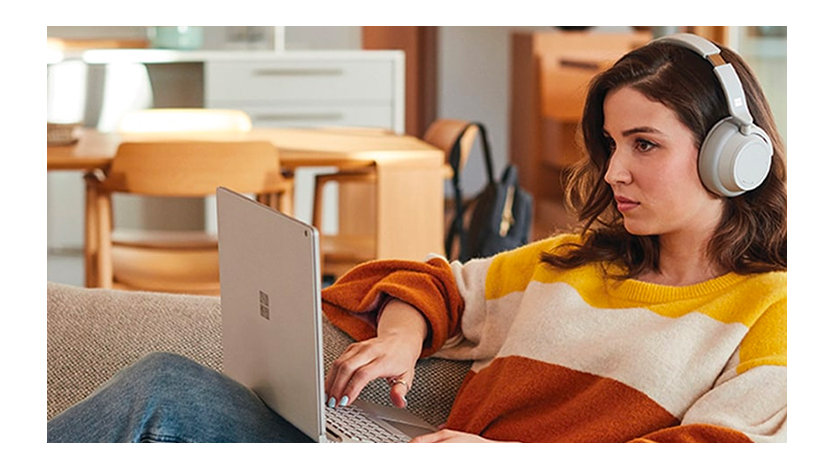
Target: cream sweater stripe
[
  {"x": 729, "y": 404},
  {"x": 672, "y": 360}
]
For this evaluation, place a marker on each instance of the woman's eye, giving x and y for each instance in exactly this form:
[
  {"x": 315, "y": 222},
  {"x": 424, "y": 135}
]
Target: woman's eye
[{"x": 643, "y": 145}]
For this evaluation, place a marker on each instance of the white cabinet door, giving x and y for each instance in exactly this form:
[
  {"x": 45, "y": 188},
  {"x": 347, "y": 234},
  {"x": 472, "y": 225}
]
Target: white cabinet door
[{"x": 301, "y": 81}]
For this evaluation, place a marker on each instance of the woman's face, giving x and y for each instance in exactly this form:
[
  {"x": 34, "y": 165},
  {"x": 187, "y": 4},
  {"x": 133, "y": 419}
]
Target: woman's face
[{"x": 653, "y": 169}]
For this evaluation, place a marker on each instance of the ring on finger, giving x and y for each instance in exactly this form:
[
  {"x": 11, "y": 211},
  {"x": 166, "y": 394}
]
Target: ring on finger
[{"x": 393, "y": 381}]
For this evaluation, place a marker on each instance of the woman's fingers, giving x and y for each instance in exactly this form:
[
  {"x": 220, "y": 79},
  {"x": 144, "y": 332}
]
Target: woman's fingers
[
  {"x": 439, "y": 436},
  {"x": 358, "y": 365},
  {"x": 359, "y": 379},
  {"x": 392, "y": 355},
  {"x": 335, "y": 379},
  {"x": 447, "y": 435},
  {"x": 349, "y": 374}
]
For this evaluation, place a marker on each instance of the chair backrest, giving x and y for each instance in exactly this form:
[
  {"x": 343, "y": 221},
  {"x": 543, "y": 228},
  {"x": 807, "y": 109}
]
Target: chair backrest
[
  {"x": 167, "y": 120},
  {"x": 194, "y": 168},
  {"x": 443, "y": 132}
]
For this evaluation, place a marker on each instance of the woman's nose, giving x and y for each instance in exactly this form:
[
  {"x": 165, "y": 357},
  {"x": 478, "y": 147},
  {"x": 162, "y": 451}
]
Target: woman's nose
[{"x": 617, "y": 171}]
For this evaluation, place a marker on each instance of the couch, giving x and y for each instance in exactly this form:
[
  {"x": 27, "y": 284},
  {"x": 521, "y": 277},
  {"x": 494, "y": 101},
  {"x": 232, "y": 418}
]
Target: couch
[{"x": 92, "y": 333}]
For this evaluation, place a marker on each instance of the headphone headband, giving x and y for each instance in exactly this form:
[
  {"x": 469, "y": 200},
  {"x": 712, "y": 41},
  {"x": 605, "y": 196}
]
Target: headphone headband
[
  {"x": 725, "y": 72},
  {"x": 735, "y": 154}
]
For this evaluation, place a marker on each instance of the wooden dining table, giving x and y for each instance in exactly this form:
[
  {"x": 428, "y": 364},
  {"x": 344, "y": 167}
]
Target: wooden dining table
[{"x": 409, "y": 174}]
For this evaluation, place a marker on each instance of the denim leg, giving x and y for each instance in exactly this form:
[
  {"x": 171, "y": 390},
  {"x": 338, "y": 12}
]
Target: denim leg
[{"x": 168, "y": 398}]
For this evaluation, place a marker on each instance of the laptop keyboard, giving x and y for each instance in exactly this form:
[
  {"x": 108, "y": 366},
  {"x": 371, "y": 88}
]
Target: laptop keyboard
[{"x": 353, "y": 423}]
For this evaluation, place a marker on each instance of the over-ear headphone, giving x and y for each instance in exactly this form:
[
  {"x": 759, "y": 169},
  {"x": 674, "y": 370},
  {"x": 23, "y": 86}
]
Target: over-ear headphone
[{"x": 735, "y": 155}]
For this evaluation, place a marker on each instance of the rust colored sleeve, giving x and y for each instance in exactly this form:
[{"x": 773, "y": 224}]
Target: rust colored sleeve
[{"x": 429, "y": 287}]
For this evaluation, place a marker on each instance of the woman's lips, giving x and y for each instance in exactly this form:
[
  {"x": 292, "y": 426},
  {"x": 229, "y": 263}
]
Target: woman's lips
[{"x": 625, "y": 204}]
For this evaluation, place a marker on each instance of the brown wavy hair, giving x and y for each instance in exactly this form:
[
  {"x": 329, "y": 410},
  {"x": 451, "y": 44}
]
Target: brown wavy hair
[{"x": 752, "y": 234}]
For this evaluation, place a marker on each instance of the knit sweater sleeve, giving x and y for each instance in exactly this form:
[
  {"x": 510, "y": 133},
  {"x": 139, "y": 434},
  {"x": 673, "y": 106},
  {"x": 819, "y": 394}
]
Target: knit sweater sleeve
[
  {"x": 354, "y": 301},
  {"x": 748, "y": 402}
]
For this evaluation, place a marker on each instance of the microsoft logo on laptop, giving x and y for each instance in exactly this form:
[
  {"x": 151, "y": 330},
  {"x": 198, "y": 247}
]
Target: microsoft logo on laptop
[{"x": 264, "y": 304}]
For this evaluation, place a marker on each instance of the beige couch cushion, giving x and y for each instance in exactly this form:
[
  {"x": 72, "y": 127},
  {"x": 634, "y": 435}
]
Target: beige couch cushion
[{"x": 93, "y": 333}]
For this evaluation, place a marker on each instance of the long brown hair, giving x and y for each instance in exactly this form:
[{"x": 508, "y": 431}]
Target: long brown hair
[{"x": 752, "y": 234}]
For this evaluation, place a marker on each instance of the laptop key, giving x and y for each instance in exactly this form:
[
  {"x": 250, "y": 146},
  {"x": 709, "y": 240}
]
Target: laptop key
[{"x": 355, "y": 424}]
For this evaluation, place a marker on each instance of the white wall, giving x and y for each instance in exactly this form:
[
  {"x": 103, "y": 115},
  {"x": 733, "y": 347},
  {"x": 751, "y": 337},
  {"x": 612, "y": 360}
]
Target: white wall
[{"x": 473, "y": 83}]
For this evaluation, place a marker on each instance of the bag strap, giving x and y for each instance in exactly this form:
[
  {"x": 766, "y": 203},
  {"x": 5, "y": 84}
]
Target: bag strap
[
  {"x": 454, "y": 156},
  {"x": 456, "y": 227}
]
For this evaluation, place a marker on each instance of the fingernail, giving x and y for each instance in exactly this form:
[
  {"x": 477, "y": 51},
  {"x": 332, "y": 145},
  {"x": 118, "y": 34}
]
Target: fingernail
[
  {"x": 332, "y": 402},
  {"x": 343, "y": 401}
]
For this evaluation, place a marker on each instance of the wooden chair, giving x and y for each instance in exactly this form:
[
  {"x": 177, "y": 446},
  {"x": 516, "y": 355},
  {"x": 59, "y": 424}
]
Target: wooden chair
[
  {"x": 340, "y": 252},
  {"x": 184, "y": 262},
  {"x": 186, "y": 124}
]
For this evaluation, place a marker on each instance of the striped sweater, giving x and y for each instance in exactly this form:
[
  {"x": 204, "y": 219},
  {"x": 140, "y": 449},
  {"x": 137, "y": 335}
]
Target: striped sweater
[{"x": 573, "y": 355}]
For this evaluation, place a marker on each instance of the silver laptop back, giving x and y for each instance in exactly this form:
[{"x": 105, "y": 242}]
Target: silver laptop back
[{"x": 270, "y": 301}]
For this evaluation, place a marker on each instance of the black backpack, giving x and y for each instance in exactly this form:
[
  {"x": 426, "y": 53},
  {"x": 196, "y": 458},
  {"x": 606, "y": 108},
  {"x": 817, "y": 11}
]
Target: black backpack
[{"x": 497, "y": 219}]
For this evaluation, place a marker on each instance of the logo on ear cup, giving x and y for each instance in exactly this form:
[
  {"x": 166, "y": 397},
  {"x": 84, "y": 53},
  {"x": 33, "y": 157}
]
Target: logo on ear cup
[{"x": 731, "y": 162}]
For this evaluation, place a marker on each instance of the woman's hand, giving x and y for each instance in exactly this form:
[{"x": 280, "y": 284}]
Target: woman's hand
[
  {"x": 447, "y": 435},
  {"x": 401, "y": 330}
]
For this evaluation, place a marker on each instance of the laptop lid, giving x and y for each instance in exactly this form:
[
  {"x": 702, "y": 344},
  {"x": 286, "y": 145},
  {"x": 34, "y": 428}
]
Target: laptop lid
[{"x": 271, "y": 308}]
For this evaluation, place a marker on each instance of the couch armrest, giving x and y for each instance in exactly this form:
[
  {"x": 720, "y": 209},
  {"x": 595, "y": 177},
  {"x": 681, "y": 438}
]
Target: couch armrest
[{"x": 93, "y": 333}]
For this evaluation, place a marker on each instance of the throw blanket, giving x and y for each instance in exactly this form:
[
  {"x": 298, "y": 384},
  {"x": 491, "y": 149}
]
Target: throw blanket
[{"x": 574, "y": 355}]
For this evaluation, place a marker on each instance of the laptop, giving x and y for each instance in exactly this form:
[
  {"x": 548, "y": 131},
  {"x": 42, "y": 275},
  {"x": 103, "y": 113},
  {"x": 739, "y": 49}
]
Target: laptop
[{"x": 270, "y": 296}]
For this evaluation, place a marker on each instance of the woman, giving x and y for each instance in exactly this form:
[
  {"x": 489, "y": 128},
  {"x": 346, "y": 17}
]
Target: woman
[{"x": 664, "y": 319}]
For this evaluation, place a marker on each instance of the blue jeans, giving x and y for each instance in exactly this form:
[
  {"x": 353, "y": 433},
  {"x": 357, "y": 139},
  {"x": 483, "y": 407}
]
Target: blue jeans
[{"x": 168, "y": 398}]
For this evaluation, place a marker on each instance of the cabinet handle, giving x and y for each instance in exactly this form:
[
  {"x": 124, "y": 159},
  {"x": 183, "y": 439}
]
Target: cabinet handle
[
  {"x": 296, "y": 72},
  {"x": 579, "y": 64},
  {"x": 299, "y": 117}
]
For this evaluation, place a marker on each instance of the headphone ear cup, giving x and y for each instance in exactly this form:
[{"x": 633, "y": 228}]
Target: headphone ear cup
[{"x": 731, "y": 163}]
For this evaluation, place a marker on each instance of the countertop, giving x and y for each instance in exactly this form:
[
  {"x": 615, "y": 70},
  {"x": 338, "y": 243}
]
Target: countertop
[{"x": 156, "y": 56}]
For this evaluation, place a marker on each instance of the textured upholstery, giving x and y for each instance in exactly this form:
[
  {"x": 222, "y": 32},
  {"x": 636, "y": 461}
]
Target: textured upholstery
[{"x": 92, "y": 333}]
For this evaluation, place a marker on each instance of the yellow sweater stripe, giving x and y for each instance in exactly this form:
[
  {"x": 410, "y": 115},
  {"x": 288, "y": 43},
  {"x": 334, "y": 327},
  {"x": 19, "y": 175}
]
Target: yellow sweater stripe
[
  {"x": 513, "y": 271},
  {"x": 767, "y": 341}
]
